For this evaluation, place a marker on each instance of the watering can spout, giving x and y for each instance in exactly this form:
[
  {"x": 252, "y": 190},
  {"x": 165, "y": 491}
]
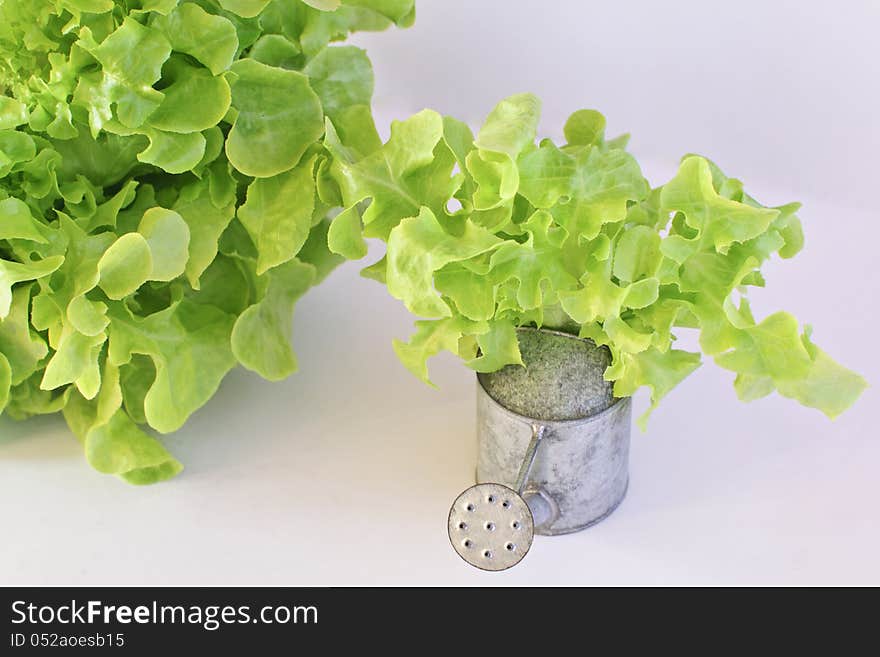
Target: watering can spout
[{"x": 544, "y": 510}]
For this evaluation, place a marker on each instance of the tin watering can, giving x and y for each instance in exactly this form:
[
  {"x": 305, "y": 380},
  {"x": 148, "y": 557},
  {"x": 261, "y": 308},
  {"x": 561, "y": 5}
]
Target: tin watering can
[{"x": 553, "y": 450}]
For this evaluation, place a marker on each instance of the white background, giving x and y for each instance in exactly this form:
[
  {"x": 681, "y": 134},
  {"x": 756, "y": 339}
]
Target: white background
[{"x": 344, "y": 474}]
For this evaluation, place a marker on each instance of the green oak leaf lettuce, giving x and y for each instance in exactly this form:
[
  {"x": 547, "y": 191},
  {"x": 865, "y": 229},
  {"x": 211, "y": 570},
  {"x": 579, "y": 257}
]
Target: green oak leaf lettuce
[
  {"x": 490, "y": 233},
  {"x": 165, "y": 200}
]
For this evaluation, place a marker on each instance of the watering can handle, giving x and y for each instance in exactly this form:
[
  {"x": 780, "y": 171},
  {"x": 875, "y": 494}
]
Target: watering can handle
[
  {"x": 541, "y": 504},
  {"x": 529, "y": 460}
]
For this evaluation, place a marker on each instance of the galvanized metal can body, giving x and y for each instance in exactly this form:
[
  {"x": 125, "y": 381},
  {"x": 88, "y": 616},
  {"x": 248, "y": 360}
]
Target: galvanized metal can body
[{"x": 581, "y": 470}]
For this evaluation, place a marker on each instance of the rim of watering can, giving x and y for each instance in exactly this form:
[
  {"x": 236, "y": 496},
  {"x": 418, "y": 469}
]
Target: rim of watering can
[{"x": 613, "y": 406}]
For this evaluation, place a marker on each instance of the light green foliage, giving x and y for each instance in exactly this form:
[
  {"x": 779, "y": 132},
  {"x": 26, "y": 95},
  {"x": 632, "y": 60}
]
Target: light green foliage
[
  {"x": 165, "y": 201},
  {"x": 417, "y": 248},
  {"x": 278, "y": 215},
  {"x": 119, "y": 447},
  {"x": 268, "y": 102},
  {"x": 5, "y": 381},
  {"x": 189, "y": 345},
  {"x": 125, "y": 266},
  {"x": 412, "y": 170},
  {"x": 261, "y": 336},
  {"x": 573, "y": 237},
  {"x": 22, "y": 347},
  {"x": 342, "y": 77},
  {"x": 210, "y": 39},
  {"x": 167, "y": 237}
]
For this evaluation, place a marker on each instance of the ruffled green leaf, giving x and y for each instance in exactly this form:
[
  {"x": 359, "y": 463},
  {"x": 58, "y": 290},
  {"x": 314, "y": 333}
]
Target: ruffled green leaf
[
  {"x": 772, "y": 348},
  {"x": 317, "y": 253},
  {"x": 533, "y": 262},
  {"x": 15, "y": 148},
  {"x": 717, "y": 220},
  {"x": 189, "y": 345},
  {"x": 546, "y": 175},
  {"x": 120, "y": 448},
  {"x": 413, "y": 169},
  {"x": 399, "y": 11},
  {"x": 75, "y": 277},
  {"x": 417, "y": 248},
  {"x": 12, "y": 113},
  {"x": 244, "y": 8},
  {"x": 278, "y": 51},
  {"x": 87, "y": 317},
  {"x": 206, "y": 223},
  {"x": 173, "y": 153},
  {"x": 178, "y": 112},
  {"x": 345, "y": 235},
  {"x": 598, "y": 298},
  {"x": 637, "y": 255},
  {"x": 76, "y": 361},
  {"x": 210, "y": 39},
  {"x": 17, "y": 222},
  {"x": 16, "y": 272},
  {"x": 126, "y": 265},
  {"x": 26, "y": 400},
  {"x": 511, "y": 126},
  {"x": 268, "y": 101},
  {"x": 774, "y": 354},
  {"x": 261, "y": 336},
  {"x": 278, "y": 215},
  {"x": 342, "y": 77},
  {"x": 82, "y": 415},
  {"x": 499, "y": 347},
  {"x": 22, "y": 347},
  {"x": 131, "y": 59},
  {"x": 603, "y": 185},
  {"x": 585, "y": 128},
  {"x": 469, "y": 288},
  {"x": 827, "y": 386},
  {"x": 790, "y": 229},
  {"x": 167, "y": 236},
  {"x": 659, "y": 371},
  {"x": 432, "y": 337},
  {"x": 105, "y": 160}
]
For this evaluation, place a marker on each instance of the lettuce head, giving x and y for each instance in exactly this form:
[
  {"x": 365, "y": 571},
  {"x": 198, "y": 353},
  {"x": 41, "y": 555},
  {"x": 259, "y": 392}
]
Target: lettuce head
[{"x": 163, "y": 201}]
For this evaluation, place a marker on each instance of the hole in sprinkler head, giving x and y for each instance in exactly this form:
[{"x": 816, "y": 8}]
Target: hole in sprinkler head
[
  {"x": 491, "y": 499},
  {"x": 467, "y": 543},
  {"x": 515, "y": 524},
  {"x": 506, "y": 504},
  {"x": 510, "y": 547},
  {"x": 487, "y": 554},
  {"x": 462, "y": 525},
  {"x": 470, "y": 507},
  {"x": 490, "y": 526}
]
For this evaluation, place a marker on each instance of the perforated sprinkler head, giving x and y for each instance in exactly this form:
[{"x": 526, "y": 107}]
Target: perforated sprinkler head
[{"x": 492, "y": 526}]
